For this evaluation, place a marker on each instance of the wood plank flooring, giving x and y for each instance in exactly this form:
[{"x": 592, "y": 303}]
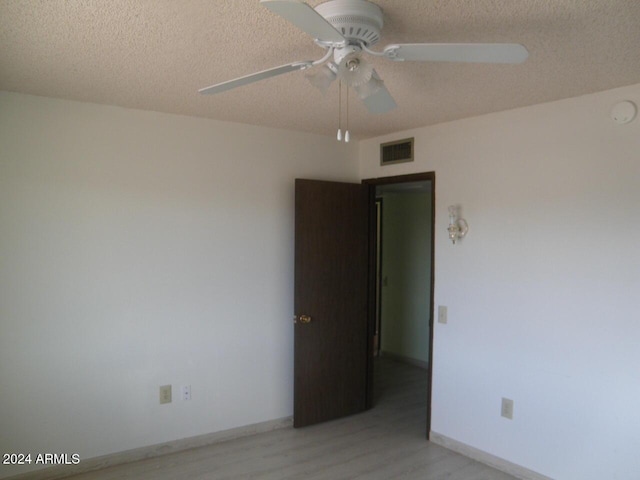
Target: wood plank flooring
[{"x": 383, "y": 443}]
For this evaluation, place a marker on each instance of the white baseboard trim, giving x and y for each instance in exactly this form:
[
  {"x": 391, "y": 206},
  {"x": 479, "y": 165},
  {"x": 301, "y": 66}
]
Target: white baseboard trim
[
  {"x": 486, "y": 458},
  {"x": 403, "y": 359},
  {"x": 142, "y": 453}
]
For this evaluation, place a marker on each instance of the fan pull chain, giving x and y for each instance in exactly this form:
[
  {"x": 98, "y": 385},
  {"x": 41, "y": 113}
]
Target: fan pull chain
[
  {"x": 346, "y": 134},
  {"x": 339, "y": 136}
]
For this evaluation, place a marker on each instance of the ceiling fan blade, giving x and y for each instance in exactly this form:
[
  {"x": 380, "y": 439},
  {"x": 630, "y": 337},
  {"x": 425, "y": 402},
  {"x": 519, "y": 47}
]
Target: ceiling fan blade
[
  {"x": 375, "y": 95},
  {"x": 254, "y": 77},
  {"x": 458, "y": 52},
  {"x": 306, "y": 19}
]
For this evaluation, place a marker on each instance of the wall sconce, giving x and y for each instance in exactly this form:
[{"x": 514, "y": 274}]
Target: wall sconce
[{"x": 458, "y": 227}]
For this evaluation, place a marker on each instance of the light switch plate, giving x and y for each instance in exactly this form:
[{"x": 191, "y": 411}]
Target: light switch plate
[
  {"x": 507, "y": 408},
  {"x": 165, "y": 394},
  {"x": 442, "y": 314}
]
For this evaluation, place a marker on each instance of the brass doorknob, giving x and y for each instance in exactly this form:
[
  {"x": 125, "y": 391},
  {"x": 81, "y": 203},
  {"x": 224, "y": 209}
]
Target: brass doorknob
[{"x": 302, "y": 319}]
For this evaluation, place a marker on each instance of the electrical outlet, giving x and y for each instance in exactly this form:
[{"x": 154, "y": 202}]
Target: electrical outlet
[
  {"x": 507, "y": 408},
  {"x": 165, "y": 394},
  {"x": 442, "y": 314},
  {"x": 186, "y": 392}
]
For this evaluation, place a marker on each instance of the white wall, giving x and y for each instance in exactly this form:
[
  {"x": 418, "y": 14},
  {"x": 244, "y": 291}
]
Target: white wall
[
  {"x": 139, "y": 249},
  {"x": 406, "y": 270},
  {"x": 543, "y": 292}
]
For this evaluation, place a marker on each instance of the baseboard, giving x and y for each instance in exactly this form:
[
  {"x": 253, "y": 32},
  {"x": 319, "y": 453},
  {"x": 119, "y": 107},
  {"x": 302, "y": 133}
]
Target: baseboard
[
  {"x": 403, "y": 359},
  {"x": 486, "y": 458},
  {"x": 128, "y": 456}
]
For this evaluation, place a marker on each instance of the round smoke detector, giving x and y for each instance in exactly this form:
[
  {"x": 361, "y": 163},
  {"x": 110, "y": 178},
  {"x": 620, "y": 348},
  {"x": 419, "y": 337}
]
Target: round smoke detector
[
  {"x": 624, "y": 112},
  {"x": 357, "y": 20}
]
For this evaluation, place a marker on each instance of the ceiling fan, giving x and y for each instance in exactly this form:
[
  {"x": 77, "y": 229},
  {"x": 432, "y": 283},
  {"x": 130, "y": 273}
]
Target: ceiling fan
[{"x": 348, "y": 29}]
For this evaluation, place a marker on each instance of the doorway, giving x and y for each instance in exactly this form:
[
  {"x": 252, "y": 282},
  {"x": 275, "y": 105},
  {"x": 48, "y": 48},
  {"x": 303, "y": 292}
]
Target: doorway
[
  {"x": 335, "y": 297},
  {"x": 401, "y": 272}
]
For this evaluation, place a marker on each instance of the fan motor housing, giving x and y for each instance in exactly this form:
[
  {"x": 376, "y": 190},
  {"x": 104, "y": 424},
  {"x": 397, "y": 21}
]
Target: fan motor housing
[{"x": 359, "y": 21}]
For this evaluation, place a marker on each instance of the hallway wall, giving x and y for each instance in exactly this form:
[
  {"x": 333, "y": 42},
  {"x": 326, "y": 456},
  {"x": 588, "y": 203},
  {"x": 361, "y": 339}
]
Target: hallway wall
[{"x": 406, "y": 273}]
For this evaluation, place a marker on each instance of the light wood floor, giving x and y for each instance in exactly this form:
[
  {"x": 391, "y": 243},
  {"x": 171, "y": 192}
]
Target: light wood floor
[{"x": 385, "y": 442}]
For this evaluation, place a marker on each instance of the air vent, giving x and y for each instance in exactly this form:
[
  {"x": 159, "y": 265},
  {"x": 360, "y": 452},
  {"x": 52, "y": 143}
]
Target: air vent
[{"x": 396, "y": 152}]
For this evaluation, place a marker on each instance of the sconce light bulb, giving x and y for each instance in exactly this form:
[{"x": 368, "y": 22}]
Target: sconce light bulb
[
  {"x": 346, "y": 136},
  {"x": 339, "y": 136},
  {"x": 452, "y": 216}
]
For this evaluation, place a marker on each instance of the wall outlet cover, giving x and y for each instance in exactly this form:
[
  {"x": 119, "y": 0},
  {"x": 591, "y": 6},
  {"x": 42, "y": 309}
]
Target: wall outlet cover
[{"x": 186, "y": 392}]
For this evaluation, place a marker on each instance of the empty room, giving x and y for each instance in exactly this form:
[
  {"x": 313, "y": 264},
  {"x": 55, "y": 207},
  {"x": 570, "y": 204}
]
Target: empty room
[{"x": 325, "y": 239}]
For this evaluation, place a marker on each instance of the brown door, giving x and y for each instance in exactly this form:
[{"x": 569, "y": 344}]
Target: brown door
[{"x": 331, "y": 365}]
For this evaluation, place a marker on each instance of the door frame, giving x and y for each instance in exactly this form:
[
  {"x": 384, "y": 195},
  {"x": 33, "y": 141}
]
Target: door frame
[
  {"x": 379, "y": 206},
  {"x": 372, "y": 183}
]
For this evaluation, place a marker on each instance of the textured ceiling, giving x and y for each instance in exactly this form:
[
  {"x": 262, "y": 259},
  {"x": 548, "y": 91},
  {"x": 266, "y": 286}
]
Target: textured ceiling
[{"x": 156, "y": 54}]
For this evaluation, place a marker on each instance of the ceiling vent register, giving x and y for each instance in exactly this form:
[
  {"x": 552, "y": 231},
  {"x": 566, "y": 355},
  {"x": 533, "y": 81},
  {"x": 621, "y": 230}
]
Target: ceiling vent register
[{"x": 399, "y": 151}]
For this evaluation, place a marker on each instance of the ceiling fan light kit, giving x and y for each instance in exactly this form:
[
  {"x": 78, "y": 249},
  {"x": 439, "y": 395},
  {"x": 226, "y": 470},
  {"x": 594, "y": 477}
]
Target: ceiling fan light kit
[
  {"x": 323, "y": 77},
  {"x": 348, "y": 29},
  {"x": 353, "y": 71}
]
